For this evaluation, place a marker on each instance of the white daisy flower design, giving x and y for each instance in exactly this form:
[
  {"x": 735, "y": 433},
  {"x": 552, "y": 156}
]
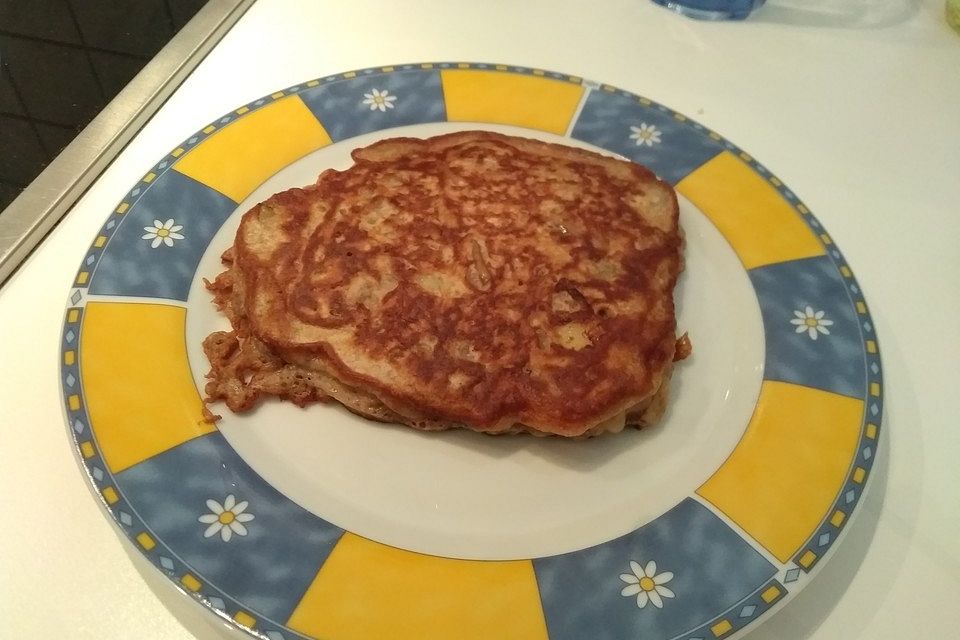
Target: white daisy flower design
[
  {"x": 812, "y": 322},
  {"x": 647, "y": 584},
  {"x": 162, "y": 233},
  {"x": 645, "y": 134},
  {"x": 379, "y": 100},
  {"x": 226, "y": 519}
]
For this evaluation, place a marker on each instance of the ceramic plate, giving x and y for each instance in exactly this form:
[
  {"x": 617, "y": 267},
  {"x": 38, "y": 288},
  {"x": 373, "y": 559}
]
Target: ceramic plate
[{"x": 315, "y": 523}]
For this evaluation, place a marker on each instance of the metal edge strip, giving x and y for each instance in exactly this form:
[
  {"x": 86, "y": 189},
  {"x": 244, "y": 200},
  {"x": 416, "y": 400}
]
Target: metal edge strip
[{"x": 25, "y": 222}]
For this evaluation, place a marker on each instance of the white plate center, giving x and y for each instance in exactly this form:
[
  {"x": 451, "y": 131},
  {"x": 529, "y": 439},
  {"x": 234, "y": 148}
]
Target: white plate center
[{"x": 466, "y": 495}]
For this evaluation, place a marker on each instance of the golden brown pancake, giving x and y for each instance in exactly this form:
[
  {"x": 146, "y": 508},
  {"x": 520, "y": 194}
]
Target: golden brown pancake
[{"x": 468, "y": 280}]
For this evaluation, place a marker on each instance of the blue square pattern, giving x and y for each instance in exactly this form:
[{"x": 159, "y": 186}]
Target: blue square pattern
[
  {"x": 832, "y": 362},
  {"x": 269, "y": 568},
  {"x": 713, "y": 569},
  {"x": 410, "y": 97},
  {"x": 675, "y": 150},
  {"x": 132, "y": 266}
]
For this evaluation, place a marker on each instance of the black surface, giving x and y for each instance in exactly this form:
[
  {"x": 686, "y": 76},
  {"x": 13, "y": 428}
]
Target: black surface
[{"x": 61, "y": 62}]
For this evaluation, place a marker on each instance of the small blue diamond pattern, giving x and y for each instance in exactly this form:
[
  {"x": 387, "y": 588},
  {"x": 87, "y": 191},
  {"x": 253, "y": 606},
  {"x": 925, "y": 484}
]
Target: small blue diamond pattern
[
  {"x": 792, "y": 575},
  {"x": 75, "y": 298},
  {"x": 70, "y": 380},
  {"x": 78, "y": 426},
  {"x": 135, "y": 192},
  {"x": 166, "y": 563},
  {"x": 867, "y": 453},
  {"x": 91, "y": 258},
  {"x": 98, "y": 473},
  {"x": 71, "y": 336},
  {"x": 748, "y": 610},
  {"x": 850, "y": 496},
  {"x": 111, "y": 224},
  {"x": 824, "y": 539},
  {"x": 217, "y": 603},
  {"x": 275, "y": 635},
  {"x": 125, "y": 518}
]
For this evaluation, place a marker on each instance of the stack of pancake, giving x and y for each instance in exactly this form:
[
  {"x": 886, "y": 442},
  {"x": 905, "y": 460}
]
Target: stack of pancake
[{"x": 472, "y": 280}]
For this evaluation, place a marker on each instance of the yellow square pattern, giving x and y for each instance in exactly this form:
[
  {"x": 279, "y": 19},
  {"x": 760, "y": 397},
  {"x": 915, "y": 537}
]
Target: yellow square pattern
[
  {"x": 775, "y": 181},
  {"x": 861, "y": 307},
  {"x": 240, "y": 156},
  {"x": 746, "y": 157},
  {"x": 871, "y": 346},
  {"x": 277, "y": 95},
  {"x": 479, "y": 599},
  {"x": 875, "y": 389},
  {"x": 679, "y": 117},
  {"x": 825, "y": 239},
  {"x": 350, "y": 74},
  {"x": 837, "y": 518},
  {"x": 176, "y": 153},
  {"x": 245, "y": 619},
  {"x": 83, "y": 277},
  {"x": 190, "y": 582},
  {"x": 313, "y": 83},
  {"x": 859, "y": 474},
  {"x": 114, "y": 379},
  {"x": 721, "y": 628},
  {"x": 74, "y": 402},
  {"x": 149, "y": 177},
  {"x": 777, "y": 486},
  {"x": 807, "y": 559},
  {"x": 86, "y": 448},
  {"x": 69, "y": 357},
  {"x": 146, "y": 541},
  {"x": 871, "y": 431},
  {"x": 387, "y": 69},
  {"x": 242, "y": 110},
  {"x": 507, "y": 98},
  {"x": 756, "y": 220},
  {"x": 123, "y": 207},
  {"x": 73, "y": 315},
  {"x": 100, "y": 241},
  {"x": 771, "y": 594},
  {"x": 209, "y": 129},
  {"x": 845, "y": 270},
  {"x": 110, "y": 495}
]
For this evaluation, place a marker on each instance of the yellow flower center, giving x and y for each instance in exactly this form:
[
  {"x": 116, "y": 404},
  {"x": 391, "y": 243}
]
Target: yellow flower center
[
  {"x": 812, "y": 322},
  {"x": 227, "y": 517},
  {"x": 163, "y": 233},
  {"x": 647, "y": 584},
  {"x": 379, "y": 100}
]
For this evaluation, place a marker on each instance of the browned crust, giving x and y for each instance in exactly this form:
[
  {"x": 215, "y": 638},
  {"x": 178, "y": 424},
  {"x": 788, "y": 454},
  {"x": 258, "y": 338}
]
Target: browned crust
[{"x": 515, "y": 382}]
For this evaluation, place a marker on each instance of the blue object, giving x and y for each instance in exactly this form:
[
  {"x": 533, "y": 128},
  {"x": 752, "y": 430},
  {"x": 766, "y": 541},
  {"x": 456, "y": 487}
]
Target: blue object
[{"x": 713, "y": 9}]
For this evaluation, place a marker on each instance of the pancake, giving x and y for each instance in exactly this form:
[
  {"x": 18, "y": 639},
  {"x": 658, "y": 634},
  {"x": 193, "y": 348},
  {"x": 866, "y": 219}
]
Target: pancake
[{"x": 474, "y": 280}]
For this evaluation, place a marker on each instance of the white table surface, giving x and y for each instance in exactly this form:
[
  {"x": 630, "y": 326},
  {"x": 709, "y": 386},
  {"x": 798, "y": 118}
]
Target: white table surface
[{"x": 855, "y": 104}]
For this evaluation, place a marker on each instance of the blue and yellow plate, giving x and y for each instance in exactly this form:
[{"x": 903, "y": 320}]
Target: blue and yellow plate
[{"x": 317, "y": 524}]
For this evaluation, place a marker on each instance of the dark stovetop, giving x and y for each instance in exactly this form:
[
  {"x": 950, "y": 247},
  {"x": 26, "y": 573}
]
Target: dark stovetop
[{"x": 61, "y": 62}]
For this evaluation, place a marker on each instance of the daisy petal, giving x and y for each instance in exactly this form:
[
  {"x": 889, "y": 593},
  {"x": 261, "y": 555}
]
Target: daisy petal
[
  {"x": 651, "y": 569},
  {"x": 629, "y": 578},
  {"x": 245, "y": 517},
  {"x": 800, "y": 315},
  {"x": 168, "y": 241},
  {"x": 631, "y": 590},
  {"x": 148, "y": 236},
  {"x": 168, "y": 224},
  {"x": 238, "y": 528},
  {"x": 226, "y": 533},
  {"x": 798, "y": 321},
  {"x": 642, "y": 599},
  {"x": 809, "y": 311},
  {"x": 812, "y": 333},
  {"x": 176, "y": 227},
  {"x": 214, "y": 506},
  {"x": 637, "y": 569},
  {"x": 240, "y": 507},
  {"x": 388, "y": 105},
  {"x": 656, "y": 599},
  {"x": 818, "y": 315},
  {"x": 229, "y": 503},
  {"x": 175, "y": 236},
  {"x": 822, "y": 329},
  {"x": 208, "y": 518},
  {"x": 212, "y": 529},
  {"x": 826, "y": 323},
  {"x": 158, "y": 224},
  {"x": 665, "y": 592},
  {"x": 801, "y": 327},
  {"x": 666, "y": 576},
  {"x": 156, "y": 242}
]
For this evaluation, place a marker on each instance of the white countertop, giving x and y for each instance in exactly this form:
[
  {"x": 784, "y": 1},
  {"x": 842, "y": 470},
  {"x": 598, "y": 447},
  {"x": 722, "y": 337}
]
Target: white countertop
[{"x": 855, "y": 109}]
